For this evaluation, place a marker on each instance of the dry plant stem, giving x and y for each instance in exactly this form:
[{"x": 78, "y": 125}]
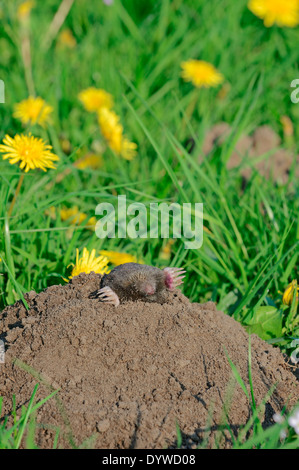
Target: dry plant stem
[
  {"x": 16, "y": 194},
  {"x": 57, "y": 22}
]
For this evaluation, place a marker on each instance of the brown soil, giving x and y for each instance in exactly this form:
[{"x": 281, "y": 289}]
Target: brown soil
[
  {"x": 264, "y": 141},
  {"x": 128, "y": 374}
]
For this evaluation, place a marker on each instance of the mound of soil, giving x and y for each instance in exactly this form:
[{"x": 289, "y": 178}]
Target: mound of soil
[
  {"x": 127, "y": 375},
  {"x": 264, "y": 140}
]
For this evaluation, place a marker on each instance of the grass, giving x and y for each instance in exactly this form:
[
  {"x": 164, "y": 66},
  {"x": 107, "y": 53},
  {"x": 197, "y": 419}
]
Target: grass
[
  {"x": 24, "y": 426},
  {"x": 133, "y": 50},
  {"x": 277, "y": 436}
]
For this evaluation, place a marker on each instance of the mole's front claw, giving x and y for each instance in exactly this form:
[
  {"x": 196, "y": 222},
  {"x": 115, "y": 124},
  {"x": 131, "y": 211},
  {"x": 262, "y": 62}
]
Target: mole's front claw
[
  {"x": 106, "y": 294},
  {"x": 173, "y": 277}
]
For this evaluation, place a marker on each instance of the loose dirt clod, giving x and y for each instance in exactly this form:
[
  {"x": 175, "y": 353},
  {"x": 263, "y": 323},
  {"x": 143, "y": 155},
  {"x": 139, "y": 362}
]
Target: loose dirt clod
[
  {"x": 128, "y": 375},
  {"x": 264, "y": 141}
]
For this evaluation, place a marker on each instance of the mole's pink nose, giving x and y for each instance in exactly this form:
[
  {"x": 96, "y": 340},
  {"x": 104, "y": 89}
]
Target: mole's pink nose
[{"x": 149, "y": 289}]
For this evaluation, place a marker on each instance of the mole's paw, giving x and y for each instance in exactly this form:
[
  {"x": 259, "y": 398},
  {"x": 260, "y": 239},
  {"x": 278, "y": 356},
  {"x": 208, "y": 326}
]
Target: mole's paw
[
  {"x": 173, "y": 277},
  {"x": 107, "y": 295}
]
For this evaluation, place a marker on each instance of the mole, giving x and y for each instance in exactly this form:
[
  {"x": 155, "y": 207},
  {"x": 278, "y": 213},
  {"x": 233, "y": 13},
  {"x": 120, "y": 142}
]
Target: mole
[{"x": 134, "y": 281}]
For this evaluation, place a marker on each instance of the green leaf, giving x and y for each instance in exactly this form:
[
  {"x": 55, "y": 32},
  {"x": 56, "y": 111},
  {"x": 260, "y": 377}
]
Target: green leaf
[
  {"x": 236, "y": 374},
  {"x": 266, "y": 322},
  {"x": 179, "y": 435}
]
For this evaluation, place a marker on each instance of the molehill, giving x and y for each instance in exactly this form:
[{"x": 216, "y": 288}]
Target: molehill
[{"x": 128, "y": 375}]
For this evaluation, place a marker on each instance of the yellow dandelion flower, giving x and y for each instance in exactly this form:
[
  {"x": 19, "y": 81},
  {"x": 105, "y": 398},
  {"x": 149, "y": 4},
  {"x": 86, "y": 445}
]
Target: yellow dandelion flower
[
  {"x": 90, "y": 160},
  {"x": 31, "y": 151},
  {"x": 281, "y": 12},
  {"x": 72, "y": 213},
  {"x": 24, "y": 9},
  {"x": 67, "y": 39},
  {"x": 94, "y": 99},
  {"x": 88, "y": 263},
  {"x": 112, "y": 131},
  {"x": 76, "y": 217},
  {"x": 201, "y": 73},
  {"x": 118, "y": 258},
  {"x": 33, "y": 111},
  {"x": 91, "y": 223},
  {"x": 289, "y": 293},
  {"x": 128, "y": 149}
]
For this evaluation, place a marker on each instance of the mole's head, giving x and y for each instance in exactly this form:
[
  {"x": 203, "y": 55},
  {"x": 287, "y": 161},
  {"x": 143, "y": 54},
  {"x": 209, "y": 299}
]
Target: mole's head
[{"x": 148, "y": 285}]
